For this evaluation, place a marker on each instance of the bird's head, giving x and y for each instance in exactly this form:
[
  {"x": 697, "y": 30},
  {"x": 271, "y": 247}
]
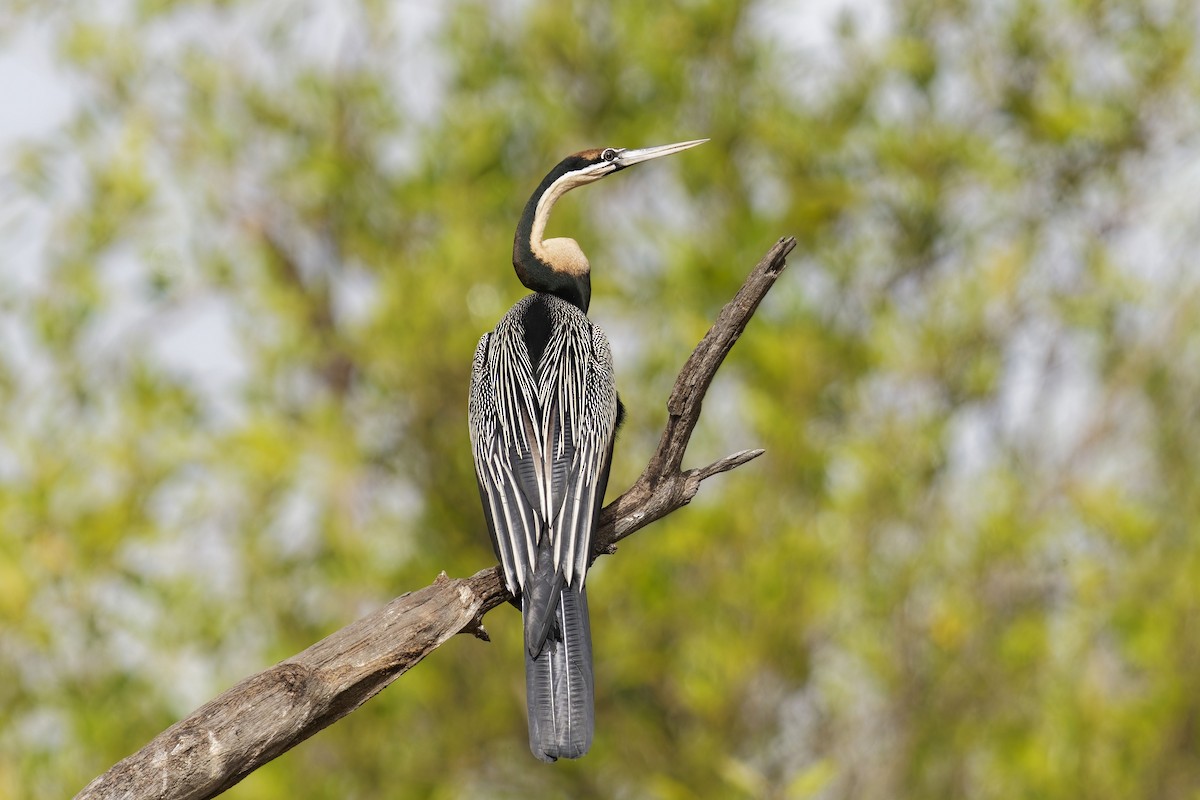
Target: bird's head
[{"x": 558, "y": 266}]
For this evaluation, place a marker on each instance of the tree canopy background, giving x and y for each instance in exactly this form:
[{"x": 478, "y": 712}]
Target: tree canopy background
[{"x": 245, "y": 278}]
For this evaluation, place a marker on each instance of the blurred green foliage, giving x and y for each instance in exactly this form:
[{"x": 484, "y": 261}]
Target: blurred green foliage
[{"x": 234, "y": 376}]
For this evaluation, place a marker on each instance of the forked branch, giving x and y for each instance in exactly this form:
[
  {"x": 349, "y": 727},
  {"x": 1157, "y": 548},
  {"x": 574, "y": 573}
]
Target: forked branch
[{"x": 267, "y": 714}]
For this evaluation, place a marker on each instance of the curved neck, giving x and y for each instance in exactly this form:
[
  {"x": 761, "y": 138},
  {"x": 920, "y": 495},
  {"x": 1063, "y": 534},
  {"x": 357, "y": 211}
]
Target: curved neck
[{"x": 562, "y": 270}]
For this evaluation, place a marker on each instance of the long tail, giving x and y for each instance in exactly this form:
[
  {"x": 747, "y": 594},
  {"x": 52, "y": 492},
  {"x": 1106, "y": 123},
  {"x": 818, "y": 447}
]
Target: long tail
[{"x": 558, "y": 682}]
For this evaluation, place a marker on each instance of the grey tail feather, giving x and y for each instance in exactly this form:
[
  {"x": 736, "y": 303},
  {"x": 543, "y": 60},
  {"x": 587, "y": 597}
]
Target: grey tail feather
[
  {"x": 540, "y": 601},
  {"x": 558, "y": 683}
]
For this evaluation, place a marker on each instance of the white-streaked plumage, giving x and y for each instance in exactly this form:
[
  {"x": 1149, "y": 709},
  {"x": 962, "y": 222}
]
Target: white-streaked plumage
[{"x": 542, "y": 437}]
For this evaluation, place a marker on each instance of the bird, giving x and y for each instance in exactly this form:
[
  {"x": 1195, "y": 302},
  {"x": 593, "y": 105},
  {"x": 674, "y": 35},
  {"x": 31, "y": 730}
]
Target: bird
[{"x": 543, "y": 413}]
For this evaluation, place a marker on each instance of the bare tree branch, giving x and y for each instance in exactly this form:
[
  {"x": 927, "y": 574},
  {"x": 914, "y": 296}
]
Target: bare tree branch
[
  {"x": 662, "y": 488},
  {"x": 269, "y": 713}
]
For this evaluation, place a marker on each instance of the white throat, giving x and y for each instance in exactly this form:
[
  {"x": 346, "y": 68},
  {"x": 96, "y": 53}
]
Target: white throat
[{"x": 562, "y": 254}]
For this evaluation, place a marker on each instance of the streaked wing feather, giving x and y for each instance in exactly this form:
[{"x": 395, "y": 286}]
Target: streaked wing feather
[
  {"x": 506, "y": 465},
  {"x": 582, "y": 443}
]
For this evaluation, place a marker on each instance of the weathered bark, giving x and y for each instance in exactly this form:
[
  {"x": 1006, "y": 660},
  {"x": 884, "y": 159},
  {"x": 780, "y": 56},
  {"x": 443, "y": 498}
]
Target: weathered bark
[
  {"x": 269, "y": 713},
  {"x": 662, "y": 487}
]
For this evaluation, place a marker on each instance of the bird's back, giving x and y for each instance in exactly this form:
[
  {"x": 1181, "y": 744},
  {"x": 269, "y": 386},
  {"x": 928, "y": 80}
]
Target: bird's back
[{"x": 543, "y": 410}]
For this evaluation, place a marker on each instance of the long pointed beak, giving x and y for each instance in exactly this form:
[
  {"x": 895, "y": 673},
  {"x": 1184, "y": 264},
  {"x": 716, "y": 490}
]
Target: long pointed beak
[{"x": 630, "y": 157}]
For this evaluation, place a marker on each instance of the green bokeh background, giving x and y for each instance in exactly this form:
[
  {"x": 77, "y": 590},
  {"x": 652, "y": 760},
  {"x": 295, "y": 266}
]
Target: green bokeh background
[{"x": 256, "y": 258}]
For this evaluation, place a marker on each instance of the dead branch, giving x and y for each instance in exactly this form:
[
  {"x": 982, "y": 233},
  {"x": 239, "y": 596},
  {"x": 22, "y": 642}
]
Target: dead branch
[{"x": 267, "y": 714}]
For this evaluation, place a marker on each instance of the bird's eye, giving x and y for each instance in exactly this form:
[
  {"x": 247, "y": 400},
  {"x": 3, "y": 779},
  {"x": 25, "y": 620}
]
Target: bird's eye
[{"x": 609, "y": 154}]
